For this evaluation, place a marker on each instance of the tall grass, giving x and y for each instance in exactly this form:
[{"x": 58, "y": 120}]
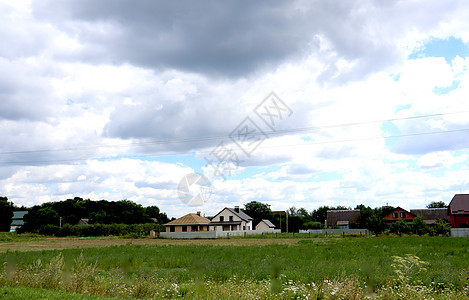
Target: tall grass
[{"x": 327, "y": 267}]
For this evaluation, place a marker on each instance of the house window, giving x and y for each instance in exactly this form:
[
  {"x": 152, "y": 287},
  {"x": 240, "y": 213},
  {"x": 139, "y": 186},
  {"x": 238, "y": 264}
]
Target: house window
[
  {"x": 222, "y": 218},
  {"x": 244, "y": 227},
  {"x": 194, "y": 228},
  {"x": 184, "y": 228},
  {"x": 402, "y": 214},
  {"x": 394, "y": 215},
  {"x": 231, "y": 218},
  {"x": 171, "y": 229}
]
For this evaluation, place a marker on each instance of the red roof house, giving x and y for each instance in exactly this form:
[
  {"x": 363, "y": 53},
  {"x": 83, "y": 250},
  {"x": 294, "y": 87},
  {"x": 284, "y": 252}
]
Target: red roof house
[
  {"x": 459, "y": 211},
  {"x": 399, "y": 214}
]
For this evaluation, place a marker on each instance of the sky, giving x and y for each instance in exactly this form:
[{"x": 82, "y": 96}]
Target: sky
[{"x": 290, "y": 103}]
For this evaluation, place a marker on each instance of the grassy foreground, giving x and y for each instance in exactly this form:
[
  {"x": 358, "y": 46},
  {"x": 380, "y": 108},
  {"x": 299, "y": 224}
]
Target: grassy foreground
[
  {"x": 9, "y": 293},
  {"x": 327, "y": 268}
]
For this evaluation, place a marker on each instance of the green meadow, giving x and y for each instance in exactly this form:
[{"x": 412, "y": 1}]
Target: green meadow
[{"x": 303, "y": 268}]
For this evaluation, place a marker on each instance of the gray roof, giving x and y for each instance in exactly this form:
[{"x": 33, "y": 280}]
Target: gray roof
[
  {"x": 17, "y": 223},
  {"x": 268, "y": 223},
  {"x": 431, "y": 213},
  {"x": 334, "y": 216},
  {"x": 460, "y": 204},
  {"x": 19, "y": 215},
  {"x": 240, "y": 214}
]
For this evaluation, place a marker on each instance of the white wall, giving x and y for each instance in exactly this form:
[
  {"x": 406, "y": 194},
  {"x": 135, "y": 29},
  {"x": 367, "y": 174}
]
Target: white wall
[
  {"x": 263, "y": 226},
  {"x": 460, "y": 232},
  {"x": 212, "y": 234},
  {"x": 225, "y": 213}
]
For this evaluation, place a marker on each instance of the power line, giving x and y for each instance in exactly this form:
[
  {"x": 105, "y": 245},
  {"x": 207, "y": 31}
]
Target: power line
[
  {"x": 260, "y": 147},
  {"x": 211, "y": 138}
]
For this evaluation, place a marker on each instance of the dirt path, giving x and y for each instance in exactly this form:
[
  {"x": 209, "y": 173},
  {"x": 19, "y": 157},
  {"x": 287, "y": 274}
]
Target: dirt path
[{"x": 64, "y": 243}]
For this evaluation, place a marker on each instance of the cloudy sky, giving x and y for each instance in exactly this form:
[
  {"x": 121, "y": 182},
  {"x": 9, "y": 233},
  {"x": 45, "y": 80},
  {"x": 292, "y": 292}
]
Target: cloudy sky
[{"x": 121, "y": 99}]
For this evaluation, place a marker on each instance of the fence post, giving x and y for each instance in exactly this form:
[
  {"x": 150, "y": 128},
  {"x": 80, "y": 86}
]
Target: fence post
[
  {"x": 343, "y": 234},
  {"x": 245, "y": 234},
  {"x": 228, "y": 235}
]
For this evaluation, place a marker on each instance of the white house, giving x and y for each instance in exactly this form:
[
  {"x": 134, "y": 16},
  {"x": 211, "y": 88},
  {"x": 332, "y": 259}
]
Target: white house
[
  {"x": 231, "y": 219},
  {"x": 265, "y": 225}
]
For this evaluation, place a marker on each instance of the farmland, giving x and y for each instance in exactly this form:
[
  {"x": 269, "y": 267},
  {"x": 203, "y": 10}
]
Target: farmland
[{"x": 332, "y": 267}]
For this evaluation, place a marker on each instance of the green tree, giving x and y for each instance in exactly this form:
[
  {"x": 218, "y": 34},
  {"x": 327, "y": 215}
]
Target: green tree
[
  {"x": 303, "y": 214},
  {"x": 313, "y": 225},
  {"x": 101, "y": 217},
  {"x": 419, "y": 227},
  {"x": 400, "y": 227},
  {"x": 6, "y": 214},
  {"x": 437, "y": 204},
  {"x": 441, "y": 227},
  {"x": 294, "y": 219},
  {"x": 152, "y": 211},
  {"x": 372, "y": 219},
  {"x": 38, "y": 217},
  {"x": 320, "y": 214},
  {"x": 257, "y": 211},
  {"x": 71, "y": 210}
]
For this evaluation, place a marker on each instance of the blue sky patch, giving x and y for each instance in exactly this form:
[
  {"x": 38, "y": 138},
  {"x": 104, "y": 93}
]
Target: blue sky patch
[
  {"x": 447, "y": 48},
  {"x": 403, "y": 107},
  {"x": 443, "y": 90}
]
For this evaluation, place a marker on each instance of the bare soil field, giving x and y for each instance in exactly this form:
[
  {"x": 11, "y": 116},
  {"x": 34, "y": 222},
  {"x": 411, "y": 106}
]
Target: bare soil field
[{"x": 77, "y": 243}]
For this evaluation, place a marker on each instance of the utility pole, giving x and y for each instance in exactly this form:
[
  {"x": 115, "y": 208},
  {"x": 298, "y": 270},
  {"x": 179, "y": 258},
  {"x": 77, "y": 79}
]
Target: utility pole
[
  {"x": 287, "y": 219},
  {"x": 280, "y": 218},
  {"x": 60, "y": 222}
]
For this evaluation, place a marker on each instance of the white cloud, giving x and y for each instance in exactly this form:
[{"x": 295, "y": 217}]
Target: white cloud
[{"x": 93, "y": 82}]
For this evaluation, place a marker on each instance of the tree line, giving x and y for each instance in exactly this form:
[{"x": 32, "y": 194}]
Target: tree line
[
  {"x": 51, "y": 215},
  {"x": 62, "y": 217},
  {"x": 370, "y": 218}
]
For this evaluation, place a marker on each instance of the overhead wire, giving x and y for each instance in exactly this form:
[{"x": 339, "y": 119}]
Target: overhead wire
[
  {"x": 217, "y": 137},
  {"x": 224, "y": 136}
]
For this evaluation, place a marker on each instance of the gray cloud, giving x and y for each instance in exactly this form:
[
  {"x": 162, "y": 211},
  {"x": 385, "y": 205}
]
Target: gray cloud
[
  {"x": 449, "y": 137},
  {"x": 27, "y": 40},
  {"x": 233, "y": 39},
  {"x": 431, "y": 143},
  {"x": 227, "y": 38},
  {"x": 24, "y": 92}
]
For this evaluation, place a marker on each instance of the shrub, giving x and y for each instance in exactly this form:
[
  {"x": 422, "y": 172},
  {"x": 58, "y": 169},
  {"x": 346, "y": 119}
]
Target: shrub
[
  {"x": 400, "y": 227},
  {"x": 419, "y": 227},
  {"x": 313, "y": 225},
  {"x": 441, "y": 227},
  {"x": 49, "y": 229},
  {"x": 407, "y": 267},
  {"x": 134, "y": 230}
]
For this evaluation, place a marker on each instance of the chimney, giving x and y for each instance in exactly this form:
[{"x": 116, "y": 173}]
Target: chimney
[
  {"x": 198, "y": 213},
  {"x": 237, "y": 209}
]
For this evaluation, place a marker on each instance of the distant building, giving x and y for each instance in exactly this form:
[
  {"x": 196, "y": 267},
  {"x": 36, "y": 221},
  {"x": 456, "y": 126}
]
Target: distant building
[
  {"x": 231, "y": 219},
  {"x": 83, "y": 222},
  {"x": 265, "y": 225},
  {"x": 399, "y": 214},
  {"x": 188, "y": 223},
  {"x": 18, "y": 219},
  {"x": 344, "y": 219},
  {"x": 430, "y": 215},
  {"x": 459, "y": 211}
]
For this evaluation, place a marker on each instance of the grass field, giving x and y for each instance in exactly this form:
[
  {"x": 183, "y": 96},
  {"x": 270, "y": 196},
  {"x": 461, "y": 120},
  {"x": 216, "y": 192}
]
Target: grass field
[{"x": 329, "y": 268}]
